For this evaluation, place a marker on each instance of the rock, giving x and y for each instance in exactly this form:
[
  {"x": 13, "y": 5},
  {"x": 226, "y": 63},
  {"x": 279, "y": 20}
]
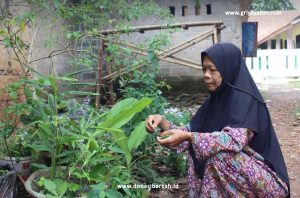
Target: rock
[{"x": 295, "y": 124}]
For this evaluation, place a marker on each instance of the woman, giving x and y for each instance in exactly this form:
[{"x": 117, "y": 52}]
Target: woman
[{"x": 233, "y": 149}]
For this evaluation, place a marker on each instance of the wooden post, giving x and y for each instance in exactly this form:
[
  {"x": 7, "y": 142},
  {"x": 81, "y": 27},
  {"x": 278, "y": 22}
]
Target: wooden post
[
  {"x": 215, "y": 35},
  {"x": 111, "y": 96},
  {"x": 99, "y": 72}
]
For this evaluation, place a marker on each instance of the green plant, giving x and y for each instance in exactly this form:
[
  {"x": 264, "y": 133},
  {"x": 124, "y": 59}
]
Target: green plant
[
  {"x": 266, "y": 5},
  {"x": 91, "y": 144},
  {"x": 71, "y": 141},
  {"x": 11, "y": 133},
  {"x": 15, "y": 145}
]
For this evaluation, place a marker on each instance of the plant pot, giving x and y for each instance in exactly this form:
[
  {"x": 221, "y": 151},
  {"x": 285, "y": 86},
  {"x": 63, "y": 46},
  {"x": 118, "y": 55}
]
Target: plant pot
[
  {"x": 21, "y": 164},
  {"x": 30, "y": 185}
]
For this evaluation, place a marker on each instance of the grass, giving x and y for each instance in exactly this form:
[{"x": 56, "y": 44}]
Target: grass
[{"x": 295, "y": 83}]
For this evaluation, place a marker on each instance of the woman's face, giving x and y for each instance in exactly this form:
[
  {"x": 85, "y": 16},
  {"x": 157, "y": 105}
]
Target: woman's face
[{"x": 212, "y": 76}]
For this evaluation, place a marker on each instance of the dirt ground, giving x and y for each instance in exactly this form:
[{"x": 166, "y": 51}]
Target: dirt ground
[{"x": 283, "y": 100}]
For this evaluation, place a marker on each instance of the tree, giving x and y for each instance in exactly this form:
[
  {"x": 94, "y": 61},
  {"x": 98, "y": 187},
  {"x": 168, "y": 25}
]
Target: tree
[{"x": 268, "y": 5}]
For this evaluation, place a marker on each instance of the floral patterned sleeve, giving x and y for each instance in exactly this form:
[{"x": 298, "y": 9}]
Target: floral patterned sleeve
[
  {"x": 184, "y": 145},
  {"x": 229, "y": 139}
]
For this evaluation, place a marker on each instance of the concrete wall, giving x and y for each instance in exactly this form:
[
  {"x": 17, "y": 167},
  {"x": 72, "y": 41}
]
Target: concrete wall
[
  {"x": 175, "y": 74},
  {"x": 178, "y": 75}
]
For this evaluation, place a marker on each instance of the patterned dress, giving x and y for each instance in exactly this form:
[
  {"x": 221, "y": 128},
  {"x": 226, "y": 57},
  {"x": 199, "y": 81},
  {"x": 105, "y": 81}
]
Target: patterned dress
[{"x": 233, "y": 169}]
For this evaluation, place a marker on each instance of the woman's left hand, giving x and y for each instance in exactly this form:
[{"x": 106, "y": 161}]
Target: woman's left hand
[{"x": 175, "y": 137}]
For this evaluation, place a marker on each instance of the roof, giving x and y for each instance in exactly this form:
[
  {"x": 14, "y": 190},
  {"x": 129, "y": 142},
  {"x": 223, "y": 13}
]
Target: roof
[{"x": 269, "y": 26}]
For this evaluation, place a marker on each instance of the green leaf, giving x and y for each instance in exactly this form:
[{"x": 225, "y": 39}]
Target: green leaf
[
  {"x": 121, "y": 139},
  {"x": 22, "y": 26},
  {"x": 96, "y": 172},
  {"x": 113, "y": 194},
  {"x": 77, "y": 174},
  {"x": 50, "y": 196},
  {"x": 13, "y": 95},
  {"x": 82, "y": 83},
  {"x": 80, "y": 93},
  {"x": 53, "y": 86},
  {"x": 137, "y": 136},
  {"x": 28, "y": 92},
  {"x": 61, "y": 186},
  {"x": 39, "y": 166},
  {"x": 73, "y": 187},
  {"x": 2, "y": 32},
  {"x": 39, "y": 148},
  {"x": 93, "y": 145},
  {"x": 98, "y": 190},
  {"x": 78, "y": 72},
  {"x": 50, "y": 186},
  {"x": 117, "y": 108},
  {"x": 123, "y": 111},
  {"x": 64, "y": 78},
  {"x": 66, "y": 153}
]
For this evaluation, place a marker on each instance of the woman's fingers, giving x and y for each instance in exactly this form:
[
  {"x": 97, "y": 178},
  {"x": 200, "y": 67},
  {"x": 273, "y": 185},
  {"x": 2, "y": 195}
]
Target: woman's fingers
[
  {"x": 152, "y": 122},
  {"x": 175, "y": 137},
  {"x": 165, "y": 133},
  {"x": 149, "y": 129},
  {"x": 163, "y": 142},
  {"x": 149, "y": 125}
]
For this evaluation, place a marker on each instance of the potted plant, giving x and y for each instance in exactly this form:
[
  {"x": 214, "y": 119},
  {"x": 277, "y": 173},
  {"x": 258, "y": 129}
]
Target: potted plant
[
  {"x": 15, "y": 156},
  {"x": 12, "y": 138},
  {"x": 90, "y": 154}
]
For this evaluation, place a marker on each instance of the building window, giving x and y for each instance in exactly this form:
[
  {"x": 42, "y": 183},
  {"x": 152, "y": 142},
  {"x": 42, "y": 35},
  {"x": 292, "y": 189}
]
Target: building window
[
  {"x": 184, "y": 10},
  {"x": 298, "y": 41},
  {"x": 208, "y": 9},
  {"x": 273, "y": 44},
  {"x": 172, "y": 10},
  {"x": 285, "y": 44},
  {"x": 263, "y": 45},
  {"x": 197, "y": 9}
]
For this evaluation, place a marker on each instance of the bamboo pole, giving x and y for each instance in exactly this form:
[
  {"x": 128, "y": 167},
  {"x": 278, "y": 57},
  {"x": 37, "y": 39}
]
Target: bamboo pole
[
  {"x": 215, "y": 35},
  {"x": 188, "y": 44},
  {"x": 120, "y": 72},
  {"x": 185, "y": 42},
  {"x": 110, "y": 84},
  {"x": 144, "y": 52},
  {"x": 142, "y": 29},
  {"x": 99, "y": 71},
  {"x": 171, "y": 60}
]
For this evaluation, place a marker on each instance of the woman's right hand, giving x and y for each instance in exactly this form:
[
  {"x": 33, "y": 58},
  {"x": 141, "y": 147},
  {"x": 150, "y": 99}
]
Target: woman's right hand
[{"x": 154, "y": 121}]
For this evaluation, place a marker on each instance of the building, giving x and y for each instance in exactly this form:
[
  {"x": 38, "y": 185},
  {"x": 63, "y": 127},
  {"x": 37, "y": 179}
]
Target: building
[
  {"x": 280, "y": 31},
  {"x": 278, "y": 40},
  {"x": 228, "y": 12}
]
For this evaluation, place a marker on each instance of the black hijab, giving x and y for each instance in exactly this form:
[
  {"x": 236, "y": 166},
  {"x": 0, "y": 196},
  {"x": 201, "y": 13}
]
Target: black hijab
[{"x": 237, "y": 103}]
